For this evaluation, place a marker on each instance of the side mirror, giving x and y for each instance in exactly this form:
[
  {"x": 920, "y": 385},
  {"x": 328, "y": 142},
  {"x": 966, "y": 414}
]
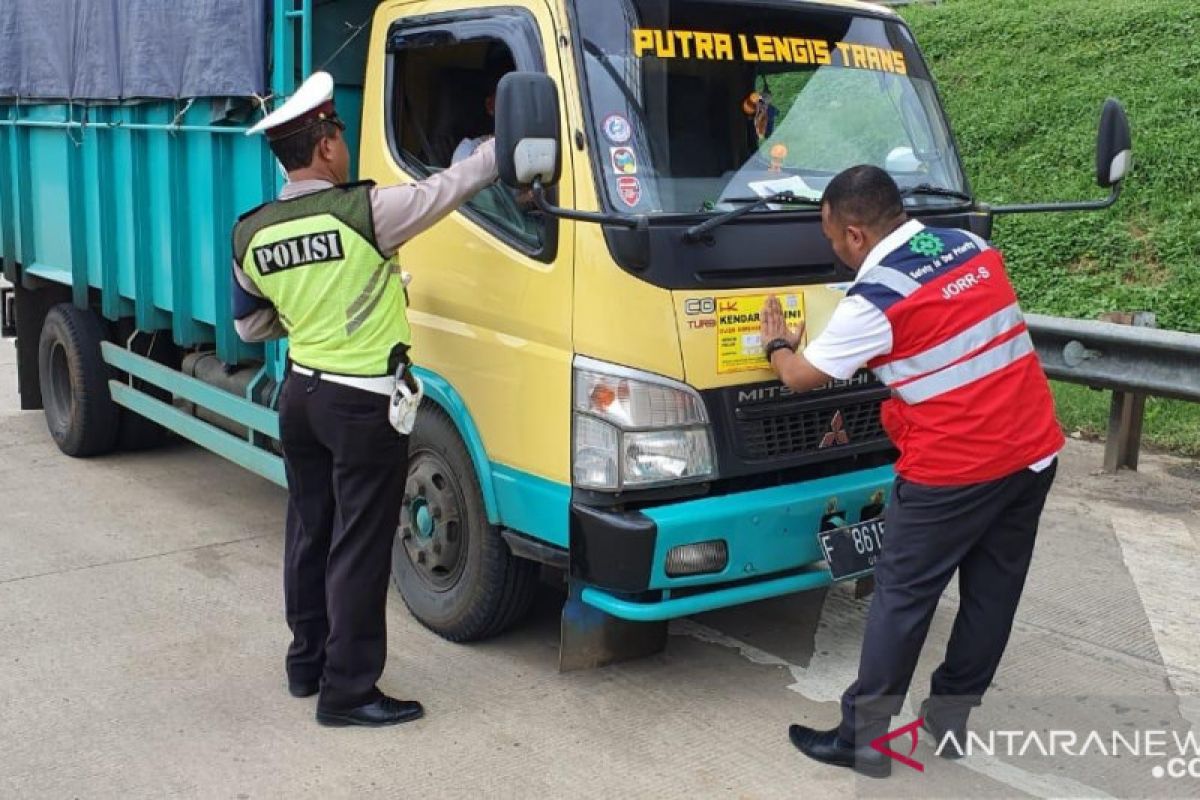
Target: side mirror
[
  {"x": 1114, "y": 145},
  {"x": 528, "y": 140},
  {"x": 1114, "y": 157}
]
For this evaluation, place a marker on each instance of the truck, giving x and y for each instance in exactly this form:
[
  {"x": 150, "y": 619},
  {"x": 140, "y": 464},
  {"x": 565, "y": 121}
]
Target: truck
[{"x": 597, "y": 401}]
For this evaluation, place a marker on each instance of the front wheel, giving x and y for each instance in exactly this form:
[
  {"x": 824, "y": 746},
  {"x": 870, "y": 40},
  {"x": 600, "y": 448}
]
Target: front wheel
[{"x": 450, "y": 565}]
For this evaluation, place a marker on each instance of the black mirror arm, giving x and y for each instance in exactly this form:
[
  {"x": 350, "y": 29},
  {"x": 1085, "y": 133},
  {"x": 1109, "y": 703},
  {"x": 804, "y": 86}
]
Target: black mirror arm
[
  {"x": 625, "y": 220},
  {"x": 1033, "y": 208}
]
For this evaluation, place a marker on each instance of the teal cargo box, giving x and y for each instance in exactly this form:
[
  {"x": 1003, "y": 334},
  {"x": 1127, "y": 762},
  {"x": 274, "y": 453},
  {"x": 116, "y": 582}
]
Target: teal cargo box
[{"x": 119, "y": 194}]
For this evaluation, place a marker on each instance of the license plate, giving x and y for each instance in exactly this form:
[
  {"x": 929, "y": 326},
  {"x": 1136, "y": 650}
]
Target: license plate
[{"x": 853, "y": 550}]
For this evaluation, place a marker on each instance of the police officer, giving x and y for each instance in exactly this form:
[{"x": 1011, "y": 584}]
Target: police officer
[
  {"x": 932, "y": 313},
  {"x": 319, "y": 266}
]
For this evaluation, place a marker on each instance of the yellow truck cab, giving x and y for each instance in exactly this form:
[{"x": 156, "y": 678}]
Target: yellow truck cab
[
  {"x": 587, "y": 330},
  {"x": 606, "y": 373}
]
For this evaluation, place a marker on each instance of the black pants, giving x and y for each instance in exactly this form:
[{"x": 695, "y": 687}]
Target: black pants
[
  {"x": 346, "y": 469},
  {"x": 985, "y": 531}
]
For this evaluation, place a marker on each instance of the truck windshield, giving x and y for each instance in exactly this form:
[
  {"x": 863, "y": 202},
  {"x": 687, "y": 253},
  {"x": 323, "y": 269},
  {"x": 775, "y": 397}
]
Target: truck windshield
[{"x": 698, "y": 105}]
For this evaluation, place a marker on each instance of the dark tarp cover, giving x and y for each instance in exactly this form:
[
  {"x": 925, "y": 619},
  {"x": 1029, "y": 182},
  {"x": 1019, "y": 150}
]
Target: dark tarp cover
[{"x": 123, "y": 49}]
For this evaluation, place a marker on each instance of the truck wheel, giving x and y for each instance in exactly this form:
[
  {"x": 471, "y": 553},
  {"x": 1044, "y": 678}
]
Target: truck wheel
[
  {"x": 80, "y": 413},
  {"x": 453, "y": 569}
]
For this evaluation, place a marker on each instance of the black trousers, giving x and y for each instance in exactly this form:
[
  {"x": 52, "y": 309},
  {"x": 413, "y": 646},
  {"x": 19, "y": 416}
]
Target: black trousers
[
  {"x": 346, "y": 469},
  {"x": 986, "y": 531}
]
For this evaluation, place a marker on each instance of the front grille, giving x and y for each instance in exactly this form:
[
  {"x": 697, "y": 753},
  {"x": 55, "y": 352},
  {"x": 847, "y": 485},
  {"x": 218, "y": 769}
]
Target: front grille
[
  {"x": 765, "y": 427},
  {"x": 786, "y": 431}
]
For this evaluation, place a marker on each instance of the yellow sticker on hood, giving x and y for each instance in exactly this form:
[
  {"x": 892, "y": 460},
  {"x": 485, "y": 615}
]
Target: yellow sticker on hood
[{"x": 739, "y": 330}]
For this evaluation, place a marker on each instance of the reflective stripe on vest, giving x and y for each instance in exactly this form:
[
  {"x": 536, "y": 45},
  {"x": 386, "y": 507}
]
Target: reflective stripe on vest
[
  {"x": 953, "y": 349},
  {"x": 899, "y": 283},
  {"x": 360, "y": 310},
  {"x": 966, "y": 372}
]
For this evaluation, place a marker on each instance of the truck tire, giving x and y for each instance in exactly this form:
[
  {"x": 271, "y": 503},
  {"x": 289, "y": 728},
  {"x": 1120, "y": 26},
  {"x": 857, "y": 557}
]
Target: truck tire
[
  {"x": 451, "y": 567},
  {"x": 80, "y": 412}
]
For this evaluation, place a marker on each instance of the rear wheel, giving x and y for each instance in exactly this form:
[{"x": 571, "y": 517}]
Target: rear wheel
[
  {"x": 80, "y": 413},
  {"x": 451, "y": 567}
]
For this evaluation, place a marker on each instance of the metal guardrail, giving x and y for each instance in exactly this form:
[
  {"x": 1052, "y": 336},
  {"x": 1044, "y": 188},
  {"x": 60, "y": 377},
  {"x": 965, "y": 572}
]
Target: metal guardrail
[
  {"x": 1132, "y": 360},
  {"x": 1125, "y": 358}
]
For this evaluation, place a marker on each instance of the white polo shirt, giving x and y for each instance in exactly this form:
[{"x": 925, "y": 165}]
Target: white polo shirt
[{"x": 858, "y": 331}]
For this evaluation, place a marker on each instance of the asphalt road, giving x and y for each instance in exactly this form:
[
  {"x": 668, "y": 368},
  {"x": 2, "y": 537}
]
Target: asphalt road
[{"x": 142, "y": 642}]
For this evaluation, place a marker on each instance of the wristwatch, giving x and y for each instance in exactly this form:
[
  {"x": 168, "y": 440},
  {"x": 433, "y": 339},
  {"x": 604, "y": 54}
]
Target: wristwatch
[{"x": 775, "y": 345}]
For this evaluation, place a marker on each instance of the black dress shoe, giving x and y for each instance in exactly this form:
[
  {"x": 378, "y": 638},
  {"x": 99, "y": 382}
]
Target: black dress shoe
[
  {"x": 829, "y": 748},
  {"x": 940, "y": 730},
  {"x": 303, "y": 688},
  {"x": 384, "y": 711}
]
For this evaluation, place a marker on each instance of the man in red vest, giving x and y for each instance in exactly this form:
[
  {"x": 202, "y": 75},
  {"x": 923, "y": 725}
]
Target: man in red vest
[{"x": 932, "y": 313}]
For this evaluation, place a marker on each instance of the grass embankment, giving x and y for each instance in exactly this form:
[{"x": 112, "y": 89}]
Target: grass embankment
[{"x": 1023, "y": 84}]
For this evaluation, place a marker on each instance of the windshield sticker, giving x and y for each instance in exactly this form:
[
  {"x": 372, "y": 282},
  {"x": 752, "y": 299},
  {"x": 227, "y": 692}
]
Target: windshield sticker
[
  {"x": 739, "y": 330},
  {"x": 630, "y": 190},
  {"x": 794, "y": 184},
  {"x": 766, "y": 49},
  {"x": 617, "y": 129},
  {"x": 624, "y": 161}
]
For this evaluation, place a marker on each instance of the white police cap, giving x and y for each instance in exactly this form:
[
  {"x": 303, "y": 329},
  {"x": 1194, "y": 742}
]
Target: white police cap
[{"x": 312, "y": 103}]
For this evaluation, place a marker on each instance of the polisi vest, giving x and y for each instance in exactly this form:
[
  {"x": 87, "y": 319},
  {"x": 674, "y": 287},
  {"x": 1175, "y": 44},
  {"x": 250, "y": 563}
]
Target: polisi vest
[
  {"x": 340, "y": 298},
  {"x": 970, "y": 402}
]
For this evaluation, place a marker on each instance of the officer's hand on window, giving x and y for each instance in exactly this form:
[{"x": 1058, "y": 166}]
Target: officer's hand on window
[{"x": 774, "y": 326}]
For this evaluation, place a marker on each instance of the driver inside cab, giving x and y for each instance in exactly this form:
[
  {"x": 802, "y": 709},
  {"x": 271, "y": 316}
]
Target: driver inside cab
[{"x": 497, "y": 201}]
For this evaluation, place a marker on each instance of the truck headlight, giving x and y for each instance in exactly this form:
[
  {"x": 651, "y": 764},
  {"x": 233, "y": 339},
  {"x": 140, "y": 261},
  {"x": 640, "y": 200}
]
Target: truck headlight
[{"x": 633, "y": 429}]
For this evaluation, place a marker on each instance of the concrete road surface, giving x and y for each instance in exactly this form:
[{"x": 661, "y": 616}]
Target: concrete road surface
[{"x": 142, "y": 642}]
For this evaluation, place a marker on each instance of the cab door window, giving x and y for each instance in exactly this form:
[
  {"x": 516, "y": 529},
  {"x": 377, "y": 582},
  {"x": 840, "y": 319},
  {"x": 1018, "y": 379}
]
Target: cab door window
[{"x": 443, "y": 93}]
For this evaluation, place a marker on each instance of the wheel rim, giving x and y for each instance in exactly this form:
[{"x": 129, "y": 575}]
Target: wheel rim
[
  {"x": 431, "y": 522},
  {"x": 60, "y": 398}
]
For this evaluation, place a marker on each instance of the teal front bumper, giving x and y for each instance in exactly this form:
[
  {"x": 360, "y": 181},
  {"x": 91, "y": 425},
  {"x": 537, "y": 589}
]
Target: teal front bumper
[{"x": 770, "y": 534}]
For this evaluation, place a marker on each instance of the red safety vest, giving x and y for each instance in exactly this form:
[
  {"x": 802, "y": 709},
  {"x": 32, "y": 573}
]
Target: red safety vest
[{"x": 970, "y": 402}]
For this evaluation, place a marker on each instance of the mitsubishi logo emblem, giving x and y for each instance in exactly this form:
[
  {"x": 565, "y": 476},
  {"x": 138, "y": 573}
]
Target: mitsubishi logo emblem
[{"x": 837, "y": 432}]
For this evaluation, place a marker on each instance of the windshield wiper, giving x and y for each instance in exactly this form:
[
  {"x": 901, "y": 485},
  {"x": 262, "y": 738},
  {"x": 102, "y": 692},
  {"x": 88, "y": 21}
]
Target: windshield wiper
[
  {"x": 936, "y": 191},
  {"x": 695, "y": 232}
]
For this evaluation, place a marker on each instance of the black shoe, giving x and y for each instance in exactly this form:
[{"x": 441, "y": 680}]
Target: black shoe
[
  {"x": 950, "y": 749},
  {"x": 829, "y": 748},
  {"x": 303, "y": 688},
  {"x": 384, "y": 711}
]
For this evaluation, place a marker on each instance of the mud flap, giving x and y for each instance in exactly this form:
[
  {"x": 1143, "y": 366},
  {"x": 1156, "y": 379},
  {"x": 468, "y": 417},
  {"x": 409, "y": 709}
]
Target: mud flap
[
  {"x": 30, "y": 308},
  {"x": 590, "y": 638},
  {"x": 8, "y": 312}
]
